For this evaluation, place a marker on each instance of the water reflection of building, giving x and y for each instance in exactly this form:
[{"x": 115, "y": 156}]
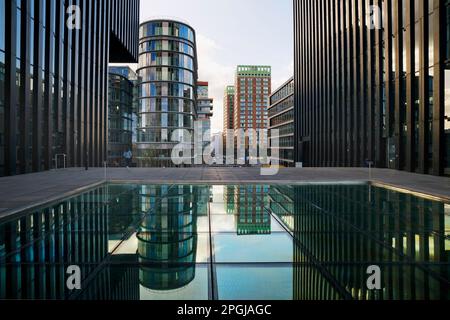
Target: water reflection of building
[
  {"x": 37, "y": 247},
  {"x": 247, "y": 203},
  {"x": 168, "y": 236},
  {"x": 228, "y": 199},
  {"x": 281, "y": 203},
  {"x": 341, "y": 230},
  {"x": 123, "y": 211}
]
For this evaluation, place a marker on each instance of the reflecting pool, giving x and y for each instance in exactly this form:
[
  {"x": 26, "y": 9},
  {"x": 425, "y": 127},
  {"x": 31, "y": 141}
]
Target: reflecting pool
[{"x": 200, "y": 242}]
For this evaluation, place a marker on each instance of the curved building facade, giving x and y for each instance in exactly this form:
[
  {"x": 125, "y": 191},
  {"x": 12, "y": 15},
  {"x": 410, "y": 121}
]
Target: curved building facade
[
  {"x": 167, "y": 103},
  {"x": 167, "y": 238}
]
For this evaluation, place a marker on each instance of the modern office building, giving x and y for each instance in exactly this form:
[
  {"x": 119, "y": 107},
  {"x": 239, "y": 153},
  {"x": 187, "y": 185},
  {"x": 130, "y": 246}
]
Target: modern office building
[
  {"x": 228, "y": 108},
  {"x": 372, "y": 83},
  {"x": 167, "y": 107},
  {"x": 54, "y": 79},
  {"x": 281, "y": 118},
  {"x": 204, "y": 109},
  {"x": 120, "y": 113}
]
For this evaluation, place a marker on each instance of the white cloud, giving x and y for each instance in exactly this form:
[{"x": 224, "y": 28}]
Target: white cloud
[
  {"x": 220, "y": 75},
  {"x": 217, "y": 74},
  {"x": 281, "y": 76}
]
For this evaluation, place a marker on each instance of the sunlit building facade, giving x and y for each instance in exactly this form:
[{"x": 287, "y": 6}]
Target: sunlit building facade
[
  {"x": 281, "y": 118},
  {"x": 168, "y": 80},
  {"x": 373, "y": 84},
  {"x": 54, "y": 80},
  {"x": 251, "y": 99},
  {"x": 251, "y": 102}
]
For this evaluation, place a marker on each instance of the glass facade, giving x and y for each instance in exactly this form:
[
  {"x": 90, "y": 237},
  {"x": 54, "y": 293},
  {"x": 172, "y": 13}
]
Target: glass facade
[
  {"x": 56, "y": 80},
  {"x": 281, "y": 115},
  {"x": 168, "y": 81},
  {"x": 120, "y": 114},
  {"x": 377, "y": 91}
]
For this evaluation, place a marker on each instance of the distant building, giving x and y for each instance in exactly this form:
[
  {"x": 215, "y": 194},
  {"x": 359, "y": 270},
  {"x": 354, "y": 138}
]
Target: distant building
[
  {"x": 281, "y": 118},
  {"x": 204, "y": 108},
  {"x": 228, "y": 108},
  {"x": 122, "y": 82},
  {"x": 251, "y": 101}
]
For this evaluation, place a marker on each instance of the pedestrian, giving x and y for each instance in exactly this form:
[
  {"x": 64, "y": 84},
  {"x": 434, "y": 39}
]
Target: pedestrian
[{"x": 128, "y": 156}]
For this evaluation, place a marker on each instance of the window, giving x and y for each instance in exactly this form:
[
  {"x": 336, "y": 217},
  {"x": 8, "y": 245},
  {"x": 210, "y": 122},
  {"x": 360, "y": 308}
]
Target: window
[{"x": 2, "y": 25}]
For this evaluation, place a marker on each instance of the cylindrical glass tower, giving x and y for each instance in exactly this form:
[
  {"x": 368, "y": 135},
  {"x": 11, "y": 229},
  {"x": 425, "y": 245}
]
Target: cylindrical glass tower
[{"x": 168, "y": 73}]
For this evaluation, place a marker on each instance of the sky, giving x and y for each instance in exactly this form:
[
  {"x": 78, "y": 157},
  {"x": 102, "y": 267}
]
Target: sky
[{"x": 231, "y": 33}]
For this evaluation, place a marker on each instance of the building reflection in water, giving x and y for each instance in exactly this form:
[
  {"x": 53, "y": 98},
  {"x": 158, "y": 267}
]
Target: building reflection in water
[
  {"x": 36, "y": 247},
  {"x": 249, "y": 205},
  {"x": 341, "y": 230},
  {"x": 168, "y": 235},
  {"x": 90, "y": 230},
  {"x": 135, "y": 240}
]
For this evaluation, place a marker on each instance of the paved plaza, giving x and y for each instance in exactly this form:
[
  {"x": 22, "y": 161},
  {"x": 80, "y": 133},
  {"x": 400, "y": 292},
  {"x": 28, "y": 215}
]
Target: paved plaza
[{"x": 24, "y": 191}]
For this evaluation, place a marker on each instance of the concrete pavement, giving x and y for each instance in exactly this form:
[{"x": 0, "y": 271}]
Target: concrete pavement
[{"x": 24, "y": 191}]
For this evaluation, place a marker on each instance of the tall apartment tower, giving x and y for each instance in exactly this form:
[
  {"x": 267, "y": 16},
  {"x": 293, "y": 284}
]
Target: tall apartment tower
[
  {"x": 54, "y": 79},
  {"x": 168, "y": 81},
  {"x": 372, "y": 84},
  {"x": 251, "y": 100}
]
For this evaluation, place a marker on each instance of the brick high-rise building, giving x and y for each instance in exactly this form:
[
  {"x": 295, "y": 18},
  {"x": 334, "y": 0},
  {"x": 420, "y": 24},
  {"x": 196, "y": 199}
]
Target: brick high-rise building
[{"x": 251, "y": 100}]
